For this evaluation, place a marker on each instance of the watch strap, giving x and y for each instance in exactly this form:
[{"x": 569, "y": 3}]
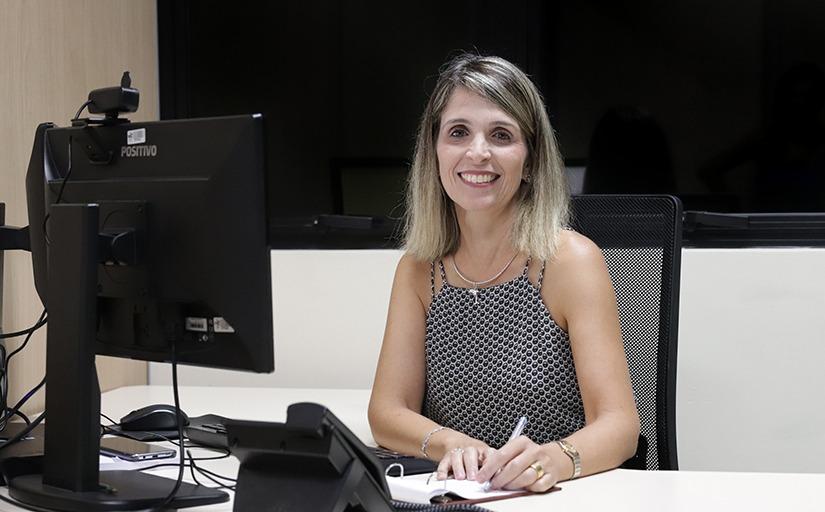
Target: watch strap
[{"x": 573, "y": 453}]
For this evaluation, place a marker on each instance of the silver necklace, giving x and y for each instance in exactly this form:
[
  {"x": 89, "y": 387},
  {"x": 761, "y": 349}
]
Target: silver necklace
[{"x": 474, "y": 290}]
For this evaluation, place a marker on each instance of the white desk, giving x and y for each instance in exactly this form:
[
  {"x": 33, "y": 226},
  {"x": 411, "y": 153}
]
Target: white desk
[{"x": 614, "y": 491}]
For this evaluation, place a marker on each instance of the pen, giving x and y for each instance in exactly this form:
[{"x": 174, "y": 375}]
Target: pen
[{"x": 522, "y": 422}]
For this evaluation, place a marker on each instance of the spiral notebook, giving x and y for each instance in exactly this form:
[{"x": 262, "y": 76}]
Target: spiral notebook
[
  {"x": 417, "y": 489},
  {"x": 409, "y": 465}
]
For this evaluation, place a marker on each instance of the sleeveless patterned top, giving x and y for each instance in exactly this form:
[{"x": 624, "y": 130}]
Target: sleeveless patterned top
[{"x": 496, "y": 355}]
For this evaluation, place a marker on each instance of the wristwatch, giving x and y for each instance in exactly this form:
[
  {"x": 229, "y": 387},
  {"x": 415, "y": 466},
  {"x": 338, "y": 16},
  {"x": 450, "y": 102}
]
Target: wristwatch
[{"x": 573, "y": 453}]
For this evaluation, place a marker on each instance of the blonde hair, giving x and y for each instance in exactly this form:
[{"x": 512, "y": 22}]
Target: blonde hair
[{"x": 431, "y": 229}]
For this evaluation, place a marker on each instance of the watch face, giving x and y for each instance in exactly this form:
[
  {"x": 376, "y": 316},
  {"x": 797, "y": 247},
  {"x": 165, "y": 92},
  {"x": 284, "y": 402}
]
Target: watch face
[{"x": 568, "y": 448}]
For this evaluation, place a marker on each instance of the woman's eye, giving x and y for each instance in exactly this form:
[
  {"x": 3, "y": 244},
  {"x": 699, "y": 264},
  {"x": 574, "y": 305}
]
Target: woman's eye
[
  {"x": 502, "y": 136},
  {"x": 458, "y": 132}
]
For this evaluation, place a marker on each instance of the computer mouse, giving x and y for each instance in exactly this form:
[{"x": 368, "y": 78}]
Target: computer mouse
[{"x": 152, "y": 418}]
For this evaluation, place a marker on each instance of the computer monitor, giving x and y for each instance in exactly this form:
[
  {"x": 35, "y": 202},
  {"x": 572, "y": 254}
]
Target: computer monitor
[
  {"x": 148, "y": 242},
  {"x": 187, "y": 198}
]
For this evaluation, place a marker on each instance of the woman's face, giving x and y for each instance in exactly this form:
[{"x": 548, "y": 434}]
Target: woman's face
[{"x": 481, "y": 153}]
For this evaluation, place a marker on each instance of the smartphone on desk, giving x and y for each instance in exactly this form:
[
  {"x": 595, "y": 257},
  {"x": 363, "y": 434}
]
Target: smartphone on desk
[{"x": 133, "y": 451}]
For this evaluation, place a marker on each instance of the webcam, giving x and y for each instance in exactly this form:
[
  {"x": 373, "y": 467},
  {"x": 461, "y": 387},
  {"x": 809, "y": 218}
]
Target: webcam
[{"x": 112, "y": 101}]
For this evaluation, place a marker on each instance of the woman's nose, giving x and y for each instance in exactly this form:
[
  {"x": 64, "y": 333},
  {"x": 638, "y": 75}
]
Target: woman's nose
[{"x": 479, "y": 149}]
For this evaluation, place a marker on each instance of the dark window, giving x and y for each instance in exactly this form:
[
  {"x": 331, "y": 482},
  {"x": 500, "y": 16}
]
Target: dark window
[{"x": 720, "y": 103}]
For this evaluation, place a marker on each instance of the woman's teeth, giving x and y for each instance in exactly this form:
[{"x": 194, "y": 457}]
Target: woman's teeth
[{"x": 478, "y": 178}]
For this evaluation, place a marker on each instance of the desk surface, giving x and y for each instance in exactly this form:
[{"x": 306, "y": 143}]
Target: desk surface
[{"x": 617, "y": 490}]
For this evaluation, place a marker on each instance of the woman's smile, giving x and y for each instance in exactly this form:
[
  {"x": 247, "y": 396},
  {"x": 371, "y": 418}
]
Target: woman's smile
[{"x": 478, "y": 178}]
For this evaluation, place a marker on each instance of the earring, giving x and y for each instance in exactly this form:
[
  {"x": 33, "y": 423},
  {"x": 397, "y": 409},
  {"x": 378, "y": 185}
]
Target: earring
[{"x": 526, "y": 177}]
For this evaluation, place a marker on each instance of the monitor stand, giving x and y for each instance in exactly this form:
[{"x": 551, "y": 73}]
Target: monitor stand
[{"x": 71, "y": 479}]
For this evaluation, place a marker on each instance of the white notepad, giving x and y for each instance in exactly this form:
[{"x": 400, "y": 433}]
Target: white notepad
[{"x": 415, "y": 489}]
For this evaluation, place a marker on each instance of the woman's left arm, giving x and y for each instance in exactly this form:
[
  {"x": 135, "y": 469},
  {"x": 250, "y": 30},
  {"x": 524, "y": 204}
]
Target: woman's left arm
[{"x": 582, "y": 301}]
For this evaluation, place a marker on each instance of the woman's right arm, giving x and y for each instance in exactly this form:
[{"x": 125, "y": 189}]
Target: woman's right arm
[{"x": 398, "y": 390}]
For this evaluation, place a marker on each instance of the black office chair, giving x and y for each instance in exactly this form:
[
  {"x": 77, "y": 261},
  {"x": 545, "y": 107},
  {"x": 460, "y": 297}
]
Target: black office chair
[{"x": 641, "y": 237}]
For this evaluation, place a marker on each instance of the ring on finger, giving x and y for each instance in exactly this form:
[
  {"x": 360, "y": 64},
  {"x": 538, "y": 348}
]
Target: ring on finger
[
  {"x": 458, "y": 451},
  {"x": 536, "y": 466}
]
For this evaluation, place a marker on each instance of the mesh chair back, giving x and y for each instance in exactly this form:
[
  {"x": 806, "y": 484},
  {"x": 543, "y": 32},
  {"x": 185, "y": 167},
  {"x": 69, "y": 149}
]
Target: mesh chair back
[{"x": 640, "y": 237}]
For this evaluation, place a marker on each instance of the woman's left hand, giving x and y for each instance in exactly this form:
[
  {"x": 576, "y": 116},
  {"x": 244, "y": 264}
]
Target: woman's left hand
[{"x": 520, "y": 464}]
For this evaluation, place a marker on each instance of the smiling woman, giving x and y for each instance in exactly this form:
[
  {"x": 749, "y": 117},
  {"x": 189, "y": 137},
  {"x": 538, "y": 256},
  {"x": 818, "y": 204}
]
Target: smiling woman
[
  {"x": 473, "y": 346},
  {"x": 481, "y": 154},
  {"x": 511, "y": 116}
]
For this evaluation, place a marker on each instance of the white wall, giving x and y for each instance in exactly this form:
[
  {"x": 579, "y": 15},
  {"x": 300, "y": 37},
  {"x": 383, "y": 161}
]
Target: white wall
[
  {"x": 751, "y": 365},
  {"x": 329, "y": 310}
]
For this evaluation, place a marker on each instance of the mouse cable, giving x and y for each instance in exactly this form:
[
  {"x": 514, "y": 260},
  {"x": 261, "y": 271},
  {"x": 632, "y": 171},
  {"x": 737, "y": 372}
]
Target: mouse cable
[
  {"x": 4, "y": 373},
  {"x": 20, "y": 415},
  {"x": 197, "y": 468},
  {"x": 194, "y": 466},
  {"x": 28, "y": 332},
  {"x": 25, "y": 432},
  {"x": 209, "y": 475},
  {"x": 30, "y": 425},
  {"x": 40, "y": 323},
  {"x": 30, "y": 393},
  {"x": 15, "y": 411},
  {"x": 182, "y": 462},
  {"x": 110, "y": 420},
  {"x": 20, "y": 403}
]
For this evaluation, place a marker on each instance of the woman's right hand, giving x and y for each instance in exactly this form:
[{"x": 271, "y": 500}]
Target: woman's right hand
[{"x": 463, "y": 457}]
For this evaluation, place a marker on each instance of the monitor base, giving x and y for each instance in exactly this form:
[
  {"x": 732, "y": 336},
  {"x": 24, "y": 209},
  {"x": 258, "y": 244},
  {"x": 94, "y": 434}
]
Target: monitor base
[{"x": 120, "y": 490}]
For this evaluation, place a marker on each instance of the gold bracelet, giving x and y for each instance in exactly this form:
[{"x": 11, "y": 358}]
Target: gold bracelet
[
  {"x": 426, "y": 442},
  {"x": 573, "y": 453}
]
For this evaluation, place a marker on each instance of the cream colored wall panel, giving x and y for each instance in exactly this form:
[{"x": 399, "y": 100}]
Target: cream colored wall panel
[
  {"x": 329, "y": 309},
  {"x": 52, "y": 53},
  {"x": 749, "y": 379},
  {"x": 749, "y": 371}
]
